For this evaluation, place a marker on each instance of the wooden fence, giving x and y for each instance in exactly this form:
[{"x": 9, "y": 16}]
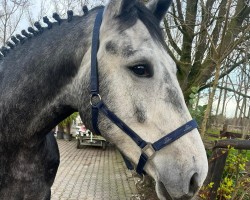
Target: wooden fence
[{"x": 218, "y": 160}]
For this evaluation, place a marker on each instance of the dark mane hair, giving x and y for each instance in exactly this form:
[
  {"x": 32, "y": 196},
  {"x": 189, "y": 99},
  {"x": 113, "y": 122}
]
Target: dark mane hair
[
  {"x": 38, "y": 29},
  {"x": 139, "y": 11}
]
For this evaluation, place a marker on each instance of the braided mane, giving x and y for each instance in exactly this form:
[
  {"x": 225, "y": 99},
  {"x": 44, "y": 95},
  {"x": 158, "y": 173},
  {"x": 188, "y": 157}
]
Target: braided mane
[{"x": 21, "y": 38}]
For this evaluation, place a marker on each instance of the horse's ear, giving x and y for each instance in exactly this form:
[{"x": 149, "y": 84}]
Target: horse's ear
[
  {"x": 159, "y": 7},
  {"x": 117, "y": 7}
]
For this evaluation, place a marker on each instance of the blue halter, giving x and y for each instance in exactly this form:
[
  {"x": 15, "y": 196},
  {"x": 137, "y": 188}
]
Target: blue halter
[{"x": 148, "y": 149}]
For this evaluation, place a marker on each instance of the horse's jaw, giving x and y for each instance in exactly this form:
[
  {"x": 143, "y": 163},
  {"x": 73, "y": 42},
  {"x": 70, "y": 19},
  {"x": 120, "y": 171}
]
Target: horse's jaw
[
  {"x": 161, "y": 191},
  {"x": 163, "y": 194}
]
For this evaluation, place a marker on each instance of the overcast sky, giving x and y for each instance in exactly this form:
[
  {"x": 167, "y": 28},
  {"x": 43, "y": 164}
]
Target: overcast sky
[{"x": 49, "y": 9}]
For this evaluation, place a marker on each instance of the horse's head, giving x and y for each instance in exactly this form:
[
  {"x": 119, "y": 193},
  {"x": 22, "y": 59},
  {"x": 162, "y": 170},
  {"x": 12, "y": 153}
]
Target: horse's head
[{"x": 138, "y": 83}]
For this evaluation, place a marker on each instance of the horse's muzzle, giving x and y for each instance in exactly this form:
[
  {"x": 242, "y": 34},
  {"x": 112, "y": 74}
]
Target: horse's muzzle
[{"x": 188, "y": 192}]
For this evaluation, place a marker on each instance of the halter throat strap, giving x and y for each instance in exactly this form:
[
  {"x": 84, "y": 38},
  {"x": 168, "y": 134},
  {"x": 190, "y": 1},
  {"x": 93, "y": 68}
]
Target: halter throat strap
[{"x": 148, "y": 149}]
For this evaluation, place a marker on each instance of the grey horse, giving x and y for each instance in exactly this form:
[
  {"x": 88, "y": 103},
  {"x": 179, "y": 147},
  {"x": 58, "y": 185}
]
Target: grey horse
[{"x": 45, "y": 76}]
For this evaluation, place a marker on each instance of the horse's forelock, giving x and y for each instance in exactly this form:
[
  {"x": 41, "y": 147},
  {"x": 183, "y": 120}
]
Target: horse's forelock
[{"x": 139, "y": 11}]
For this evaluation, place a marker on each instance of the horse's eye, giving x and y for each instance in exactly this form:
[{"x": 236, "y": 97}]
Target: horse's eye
[{"x": 141, "y": 70}]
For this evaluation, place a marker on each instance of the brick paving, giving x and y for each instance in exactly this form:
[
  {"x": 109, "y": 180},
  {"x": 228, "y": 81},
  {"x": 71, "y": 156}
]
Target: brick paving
[{"x": 92, "y": 174}]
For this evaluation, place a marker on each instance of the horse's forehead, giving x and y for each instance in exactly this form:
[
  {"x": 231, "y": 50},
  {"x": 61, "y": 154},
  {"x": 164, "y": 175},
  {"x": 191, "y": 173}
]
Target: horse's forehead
[
  {"x": 134, "y": 42},
  {"x": 129, "y": 42},
  {"x": 127, "y": 46},
  {"x": 134, "y": 35}
]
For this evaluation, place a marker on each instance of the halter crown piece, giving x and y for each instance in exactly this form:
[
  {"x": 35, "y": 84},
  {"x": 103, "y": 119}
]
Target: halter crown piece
[{"x": 148, "y": 150}]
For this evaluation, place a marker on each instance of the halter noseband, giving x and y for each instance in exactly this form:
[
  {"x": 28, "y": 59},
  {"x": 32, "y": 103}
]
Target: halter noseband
[{"x": 148, "y": 149}]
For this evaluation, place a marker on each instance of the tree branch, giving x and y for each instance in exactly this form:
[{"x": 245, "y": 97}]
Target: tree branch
[
  {"x": 230, "y": 90},
  {"x": 170, "y": 38}
]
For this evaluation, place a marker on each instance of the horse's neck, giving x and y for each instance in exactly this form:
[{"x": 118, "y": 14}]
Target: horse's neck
[
  {"x": 32, "y": 89},
  {"x": 22, "y": 170}
]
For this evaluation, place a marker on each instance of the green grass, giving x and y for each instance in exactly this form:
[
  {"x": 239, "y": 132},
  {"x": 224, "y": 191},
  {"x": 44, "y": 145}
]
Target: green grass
[
  {"x": 248, "y": 155},
  {"x": 213, "y": 131},
  {"x": 210, "y": 138}
]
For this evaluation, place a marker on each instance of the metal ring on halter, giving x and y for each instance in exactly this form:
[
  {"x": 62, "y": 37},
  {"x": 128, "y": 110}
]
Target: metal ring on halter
[
  {"x": 149, "y": 151},
  {"x": 141, "y": 179},
  {"x": 98, "y": 100},
  {"x": 141, "y": 182}
]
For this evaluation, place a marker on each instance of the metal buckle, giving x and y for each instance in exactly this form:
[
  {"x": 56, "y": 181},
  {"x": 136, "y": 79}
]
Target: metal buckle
[
  {"x": 95, "y": 99},
  {"x": 149, "y": 151}
]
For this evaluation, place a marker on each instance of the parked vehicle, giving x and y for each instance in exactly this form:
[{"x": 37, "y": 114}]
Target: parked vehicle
[{"x": 86, "y": 138}]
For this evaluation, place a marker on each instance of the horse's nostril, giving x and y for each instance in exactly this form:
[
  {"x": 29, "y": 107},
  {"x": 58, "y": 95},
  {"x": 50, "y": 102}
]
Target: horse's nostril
[{"x": 193, "y": 185}]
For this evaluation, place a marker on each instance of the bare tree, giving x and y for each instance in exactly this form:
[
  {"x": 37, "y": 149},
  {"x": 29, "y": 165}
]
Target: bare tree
[
  {"x": 43, "y": 11},
  {"x": 11, "y": 15},
  {"x": 219, "y": 99},
  {"x": 187, "y": 28},
  {"x": 47, "y": 7},
  {"x": 62, "y": 6}
]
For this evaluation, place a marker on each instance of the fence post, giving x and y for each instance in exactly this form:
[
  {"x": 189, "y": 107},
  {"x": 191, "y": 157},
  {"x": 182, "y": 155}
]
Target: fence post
[
  {"x": 216, "y": 166},
  {"x": 218, "y": 160}
]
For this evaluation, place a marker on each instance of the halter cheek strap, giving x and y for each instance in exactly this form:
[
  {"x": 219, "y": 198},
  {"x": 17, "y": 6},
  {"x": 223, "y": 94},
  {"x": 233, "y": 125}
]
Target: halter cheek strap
[
  {"x": 148, "y": 149},
  {"x": 94, "y": 79}
]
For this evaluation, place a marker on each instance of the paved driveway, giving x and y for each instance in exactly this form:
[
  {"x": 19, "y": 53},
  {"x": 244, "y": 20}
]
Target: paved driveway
[{"x": 92, "y": 174}]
